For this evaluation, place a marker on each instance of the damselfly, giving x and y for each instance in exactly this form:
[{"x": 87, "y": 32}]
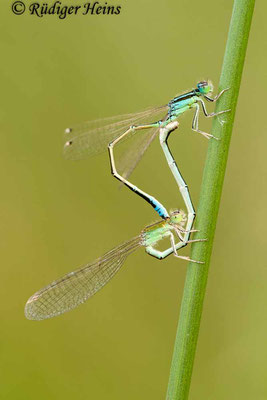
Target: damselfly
[
  {"x": 93, "y": 137},
  {"x": 76, "y": 287}
]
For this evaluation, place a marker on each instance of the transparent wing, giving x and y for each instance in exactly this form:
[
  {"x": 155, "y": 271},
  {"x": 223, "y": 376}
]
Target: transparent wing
[
  {"x": 93, "y": 137},
  {"x": 76, "y": 287},
  {"x": 128, "y": 162}
]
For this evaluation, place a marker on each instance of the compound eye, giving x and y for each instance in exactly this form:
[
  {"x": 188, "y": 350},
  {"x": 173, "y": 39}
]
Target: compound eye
[{"x": 202, "y": 84}]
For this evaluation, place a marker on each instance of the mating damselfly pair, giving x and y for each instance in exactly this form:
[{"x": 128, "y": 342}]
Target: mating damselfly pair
[{"x": 96, "y": 136}]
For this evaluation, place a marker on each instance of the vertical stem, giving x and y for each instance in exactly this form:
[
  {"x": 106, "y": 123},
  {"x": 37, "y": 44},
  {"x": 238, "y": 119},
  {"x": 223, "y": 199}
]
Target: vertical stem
[{"x": 213, "y": 177}]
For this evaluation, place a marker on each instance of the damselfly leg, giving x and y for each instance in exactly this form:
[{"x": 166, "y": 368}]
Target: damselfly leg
[{"x": 207, "y": 115}]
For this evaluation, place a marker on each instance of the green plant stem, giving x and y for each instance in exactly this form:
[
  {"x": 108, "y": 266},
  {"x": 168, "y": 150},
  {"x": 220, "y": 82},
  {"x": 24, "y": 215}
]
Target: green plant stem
[{"x": 211, "y": 189}]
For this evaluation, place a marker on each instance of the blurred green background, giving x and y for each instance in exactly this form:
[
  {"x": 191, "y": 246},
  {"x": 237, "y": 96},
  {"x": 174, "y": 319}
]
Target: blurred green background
[{"x": 56, "y": 214}]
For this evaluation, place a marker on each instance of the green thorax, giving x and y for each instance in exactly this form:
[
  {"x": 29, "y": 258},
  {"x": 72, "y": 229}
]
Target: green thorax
[
  {"x": 161, "y": 229},
  {"x": 181, "y": 103}
]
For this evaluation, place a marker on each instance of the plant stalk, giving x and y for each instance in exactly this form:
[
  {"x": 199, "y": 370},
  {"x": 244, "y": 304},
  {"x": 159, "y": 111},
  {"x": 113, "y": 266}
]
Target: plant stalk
[{"x": 210, "y": 195}]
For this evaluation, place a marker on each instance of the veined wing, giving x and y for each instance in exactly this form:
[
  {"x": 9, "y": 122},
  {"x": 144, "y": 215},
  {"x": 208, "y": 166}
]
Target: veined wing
[
  {"x": 76, "y": 287},
  {"x": 91, "y": 138},
  {"x": 128, "y": 162}
]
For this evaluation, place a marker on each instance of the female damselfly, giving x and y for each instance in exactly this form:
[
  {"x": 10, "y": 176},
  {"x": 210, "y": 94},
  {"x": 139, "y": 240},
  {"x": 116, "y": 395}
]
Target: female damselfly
[{"x": 76, "y": 287}]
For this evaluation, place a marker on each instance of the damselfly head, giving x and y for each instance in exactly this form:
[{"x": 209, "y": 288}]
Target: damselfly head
[
  {"x": 178, "y": 217},
  {"x": 205, "y": 87}
]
